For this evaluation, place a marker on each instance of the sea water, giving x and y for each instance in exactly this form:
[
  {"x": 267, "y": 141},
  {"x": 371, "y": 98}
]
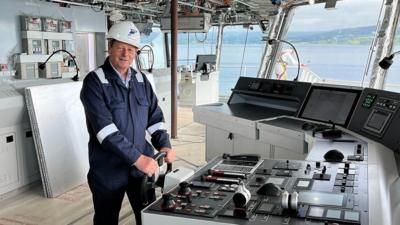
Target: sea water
[{"x": 328, "y": 61}]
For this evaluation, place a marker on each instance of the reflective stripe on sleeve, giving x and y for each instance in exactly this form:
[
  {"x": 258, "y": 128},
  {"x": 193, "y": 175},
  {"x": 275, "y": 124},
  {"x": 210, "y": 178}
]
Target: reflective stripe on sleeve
[
  {"x": 100, "y": 74},
  {"x": 107, "y": 130},
  {"x": 158, "y": 126}
]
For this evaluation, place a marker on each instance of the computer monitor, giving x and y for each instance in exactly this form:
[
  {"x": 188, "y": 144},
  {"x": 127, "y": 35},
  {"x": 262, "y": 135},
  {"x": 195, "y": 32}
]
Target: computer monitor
[
  {"x": 330, "y": 104},
  {"x": 203, "y": 60}
]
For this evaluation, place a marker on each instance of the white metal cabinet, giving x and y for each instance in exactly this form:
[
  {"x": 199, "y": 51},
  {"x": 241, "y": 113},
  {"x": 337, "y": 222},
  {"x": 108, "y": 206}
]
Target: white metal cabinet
[
  {"x": 219, "y": 141},
  {"x": 285, "y": 143}
]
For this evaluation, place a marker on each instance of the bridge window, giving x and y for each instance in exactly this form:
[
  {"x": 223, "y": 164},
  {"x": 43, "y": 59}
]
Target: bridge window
[
  {"x": 333, "y": 45},
  {"x": 393, "y": 74}
]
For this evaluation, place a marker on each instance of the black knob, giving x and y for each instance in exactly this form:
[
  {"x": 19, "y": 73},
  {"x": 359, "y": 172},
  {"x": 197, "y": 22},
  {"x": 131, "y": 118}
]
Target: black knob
[
  {"x": 168, "y": 203},
  {"x": 324, "y": 170},
  {"x": 308, "y": 167},
  {"x": 318, "y": 164},
  {"x": 260, "y": 179},
  {"x": 184, "y": 189}
]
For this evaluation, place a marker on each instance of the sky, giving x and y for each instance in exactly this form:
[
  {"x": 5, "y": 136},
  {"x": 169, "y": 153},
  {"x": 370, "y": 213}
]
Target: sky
[{"x": 348, "y": 14}]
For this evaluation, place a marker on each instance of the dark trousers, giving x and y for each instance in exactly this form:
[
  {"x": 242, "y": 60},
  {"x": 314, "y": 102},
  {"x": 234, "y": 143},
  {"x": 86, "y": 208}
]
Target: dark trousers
[{"x": 107, "y": 200}]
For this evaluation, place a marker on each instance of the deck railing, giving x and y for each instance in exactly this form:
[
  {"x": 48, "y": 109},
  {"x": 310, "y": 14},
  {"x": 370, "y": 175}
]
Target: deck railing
[
  {"x": 309, "y": 76},
  {"x": 306, "y": 75}
]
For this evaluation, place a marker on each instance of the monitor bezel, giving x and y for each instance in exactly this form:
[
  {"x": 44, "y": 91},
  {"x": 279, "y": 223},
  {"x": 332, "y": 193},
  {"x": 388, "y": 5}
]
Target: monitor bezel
[
  {"x": 331, "y": 88},
  {"x": 204, "y": 58}
]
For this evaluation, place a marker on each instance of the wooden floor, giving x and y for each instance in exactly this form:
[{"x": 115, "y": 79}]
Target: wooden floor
[{"x": 75, "y": 207}]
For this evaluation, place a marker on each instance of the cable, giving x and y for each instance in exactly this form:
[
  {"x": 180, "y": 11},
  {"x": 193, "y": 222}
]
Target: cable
[
  {"x": 201, "y": 41},
  {"x": 76, "y": 77},
  {"x": 371, "y": 49},
  {"x": 150, "y": 58},
  {"x": 272, "y": 41},
  {"x": 387, "y": 61},
  {"x": 212, "y": 40},
  {"x": 187, "y": 53},
  {"x": 244, "y": 50}
]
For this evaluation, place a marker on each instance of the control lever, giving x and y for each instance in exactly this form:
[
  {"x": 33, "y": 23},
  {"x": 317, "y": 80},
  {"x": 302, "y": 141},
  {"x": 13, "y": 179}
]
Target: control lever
[
  {"x": 290, "y": 201},
  {"x": 243, "y": 157},
  {"x": 157, "y": 179},
  {"x": 221, "y": 173},
  {"x": 168, "y": 204},
  {"x": 242, "y": 196},
  {"x": 332, "y": 133},
  {"x": 184, "y": 189},
  {"x": 221, "y": 180}
]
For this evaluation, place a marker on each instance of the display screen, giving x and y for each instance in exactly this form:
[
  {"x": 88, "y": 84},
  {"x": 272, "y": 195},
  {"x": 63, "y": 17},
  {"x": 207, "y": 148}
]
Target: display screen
[
  {"x": 333, "y": 213},
  {"x": 351, "y": 215},
  {"x": 330, "y": 105},
  {"x": 320, "y": 198},
  {"x": 368, "y": 101},
  {"x": 377, "y": 120},
  {"x": 202, "y": 60},
  {"x": 316, "y": 212}
]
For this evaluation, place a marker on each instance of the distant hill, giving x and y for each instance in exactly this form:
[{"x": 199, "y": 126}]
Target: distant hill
[{"x": 358, "y": 35}]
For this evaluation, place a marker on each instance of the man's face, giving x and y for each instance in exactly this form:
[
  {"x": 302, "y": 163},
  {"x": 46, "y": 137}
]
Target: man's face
[{"x": 121, "y": 55}]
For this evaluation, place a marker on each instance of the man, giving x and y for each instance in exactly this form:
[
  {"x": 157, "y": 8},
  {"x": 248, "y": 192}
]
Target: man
[{"x": 120, "y": 106}]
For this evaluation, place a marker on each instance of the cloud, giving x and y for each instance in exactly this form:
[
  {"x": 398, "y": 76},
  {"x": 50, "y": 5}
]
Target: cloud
[{"x": 348, "y": 13}]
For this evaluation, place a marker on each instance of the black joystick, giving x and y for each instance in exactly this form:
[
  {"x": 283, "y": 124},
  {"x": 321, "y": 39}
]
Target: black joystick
[
  {"x": 260, "y": 179},
  {"x": 184, "y": 189},
  {"x": 168, "y": 203},
  {"x": 269, "y": 189}
]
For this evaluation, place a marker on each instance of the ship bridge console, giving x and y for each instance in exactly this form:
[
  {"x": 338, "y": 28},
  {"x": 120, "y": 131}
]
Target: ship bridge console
[{"x": 349, "y": 173}]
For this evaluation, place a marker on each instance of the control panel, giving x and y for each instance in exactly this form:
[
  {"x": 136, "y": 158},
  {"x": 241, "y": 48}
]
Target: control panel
[
  {"x": 274, "y": 87},
  {"x": 285, "y": 96},
  {"x": 235, "y": 191},
  {"x": 377, "y": 116}
]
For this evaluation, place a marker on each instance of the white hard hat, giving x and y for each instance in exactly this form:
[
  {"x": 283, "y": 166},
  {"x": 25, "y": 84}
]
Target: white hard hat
[{"x": 126, "y": 32}]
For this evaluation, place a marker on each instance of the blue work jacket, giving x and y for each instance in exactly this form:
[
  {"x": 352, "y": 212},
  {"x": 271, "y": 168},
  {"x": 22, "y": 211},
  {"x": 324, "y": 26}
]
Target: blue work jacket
[{"x": 117, "y": 119}]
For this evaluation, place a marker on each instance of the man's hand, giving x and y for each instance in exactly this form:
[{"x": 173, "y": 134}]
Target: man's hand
[
  {"x": 146, "y": 164},
  {"x": 171, "y": 154}
]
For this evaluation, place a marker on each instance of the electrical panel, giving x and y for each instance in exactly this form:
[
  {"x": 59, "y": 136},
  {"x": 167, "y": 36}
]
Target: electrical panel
[
  {"x": 27, "y": 71},
  {"x": 41, "y": 37},
  {"x": 53, "y": 45},
  {"x": 52, "y": 70},
  {"x": 200, "y": 23},
  {"x": 33, "y": 46},
  {"x": 69, "y": 46},
  {"x": 31, "y": 23},
  {"x": 65, "y": 26},
  {"x": 49, "y": 25},
  {"x": 377, "y": 117}
]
